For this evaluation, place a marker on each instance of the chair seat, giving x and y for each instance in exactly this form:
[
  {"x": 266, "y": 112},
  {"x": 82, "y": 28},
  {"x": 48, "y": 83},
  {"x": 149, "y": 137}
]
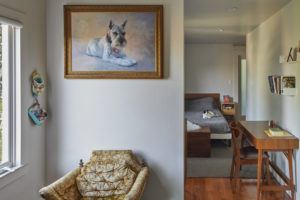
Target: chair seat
[{"x": 249, "y": 152}]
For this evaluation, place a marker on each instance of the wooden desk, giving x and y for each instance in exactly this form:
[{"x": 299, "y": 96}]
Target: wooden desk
[{"x": 254, "y": 130}]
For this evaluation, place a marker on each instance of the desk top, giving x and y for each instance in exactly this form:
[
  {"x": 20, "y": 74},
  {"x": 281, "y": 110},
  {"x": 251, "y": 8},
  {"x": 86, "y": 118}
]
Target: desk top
[{"x": 254, "y": 130}]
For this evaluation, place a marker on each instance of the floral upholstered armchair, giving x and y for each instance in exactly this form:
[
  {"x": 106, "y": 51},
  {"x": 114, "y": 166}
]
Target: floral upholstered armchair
[{"x": 108, "y": 175}]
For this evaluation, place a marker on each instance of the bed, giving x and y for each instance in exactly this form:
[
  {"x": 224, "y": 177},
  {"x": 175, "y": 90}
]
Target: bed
[{"x": 196, "y": 104}]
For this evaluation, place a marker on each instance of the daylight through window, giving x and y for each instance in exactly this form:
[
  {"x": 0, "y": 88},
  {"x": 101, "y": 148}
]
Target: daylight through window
[{"x": 9, "y": 62}]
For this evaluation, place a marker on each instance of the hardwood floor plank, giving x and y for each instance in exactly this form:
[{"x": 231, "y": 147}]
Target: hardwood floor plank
[{"x": 221, "y": 189}]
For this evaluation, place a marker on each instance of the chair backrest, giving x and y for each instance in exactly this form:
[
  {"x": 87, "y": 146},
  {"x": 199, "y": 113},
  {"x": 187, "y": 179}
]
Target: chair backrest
[
  {"x": 109, "y": 155},
  {"x": 108, "y": 173},
  {"x": 235, "y": 132},
  {"x": 233, "y": 124}
]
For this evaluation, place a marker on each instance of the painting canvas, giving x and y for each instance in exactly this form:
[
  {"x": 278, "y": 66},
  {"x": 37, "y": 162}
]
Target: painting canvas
[{"x": 113, "y": 41}]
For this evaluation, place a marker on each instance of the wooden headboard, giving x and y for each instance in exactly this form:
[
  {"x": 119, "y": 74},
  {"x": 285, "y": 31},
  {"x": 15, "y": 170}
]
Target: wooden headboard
[{"x": 216, "y": 96}]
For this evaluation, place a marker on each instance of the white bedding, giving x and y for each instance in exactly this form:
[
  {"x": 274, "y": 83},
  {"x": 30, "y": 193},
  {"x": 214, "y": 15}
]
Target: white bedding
[{"x": 191, "y": 126}]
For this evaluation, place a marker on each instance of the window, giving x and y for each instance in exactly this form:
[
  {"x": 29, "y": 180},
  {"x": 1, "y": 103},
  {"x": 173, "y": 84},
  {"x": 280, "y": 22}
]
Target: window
[
  {"x": 244, "y": 86},
  {"x": 9, "y": 66}
]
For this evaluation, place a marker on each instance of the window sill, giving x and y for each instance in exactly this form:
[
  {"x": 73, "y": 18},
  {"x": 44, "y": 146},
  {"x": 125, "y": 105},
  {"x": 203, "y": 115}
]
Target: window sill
[{"x": 12, "y": 175}]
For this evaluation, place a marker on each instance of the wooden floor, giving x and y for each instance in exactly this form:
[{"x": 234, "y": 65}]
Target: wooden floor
[{"x": 220, "y": 189}]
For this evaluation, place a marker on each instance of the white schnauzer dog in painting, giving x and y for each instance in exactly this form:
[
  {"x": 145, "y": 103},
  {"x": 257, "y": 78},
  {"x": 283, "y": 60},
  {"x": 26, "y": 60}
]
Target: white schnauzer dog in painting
[{"x": 110, "y": 47}]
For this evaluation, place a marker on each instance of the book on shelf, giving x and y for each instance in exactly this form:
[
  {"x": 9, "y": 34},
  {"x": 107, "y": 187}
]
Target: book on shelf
[
  {"x": 285, "y": 85},
  {"x": 271, "y": 84},
  {"x": 278, "y": 84},
  {"x": 274, "y": 78}
]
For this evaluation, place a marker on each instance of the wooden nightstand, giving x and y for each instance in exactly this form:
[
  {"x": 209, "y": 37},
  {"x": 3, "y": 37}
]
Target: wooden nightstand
[
  {"x": 198, "y": 142},
  {"x": 228, "y": 110}
]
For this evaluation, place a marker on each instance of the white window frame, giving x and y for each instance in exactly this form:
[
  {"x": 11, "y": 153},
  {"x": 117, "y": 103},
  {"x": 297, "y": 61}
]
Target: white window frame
[{"x": 11, "y": 57}]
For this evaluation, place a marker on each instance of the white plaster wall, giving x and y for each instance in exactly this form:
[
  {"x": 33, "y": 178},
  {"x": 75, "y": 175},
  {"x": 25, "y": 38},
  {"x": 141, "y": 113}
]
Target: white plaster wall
[
  {"x": 25, "y": 183},
  {"x": 265, "y": 44},
  {"x": 212, "y": 68},
  {"x": 143, "y": 115}
]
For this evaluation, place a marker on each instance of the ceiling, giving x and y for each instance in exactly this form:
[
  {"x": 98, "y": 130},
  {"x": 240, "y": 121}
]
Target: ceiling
[{"x": 225, "y": 21}]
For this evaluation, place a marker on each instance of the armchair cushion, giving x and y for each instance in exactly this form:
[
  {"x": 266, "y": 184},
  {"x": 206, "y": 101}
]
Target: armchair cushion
[{"x": 107, "y": 174}]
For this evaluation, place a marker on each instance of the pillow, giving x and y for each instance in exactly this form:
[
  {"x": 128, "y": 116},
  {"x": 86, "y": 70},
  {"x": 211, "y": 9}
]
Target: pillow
[
  {"x": 105, "y": 178},
  {"x": 205, "y": 103},
  {"x": 191, "y": 126}
]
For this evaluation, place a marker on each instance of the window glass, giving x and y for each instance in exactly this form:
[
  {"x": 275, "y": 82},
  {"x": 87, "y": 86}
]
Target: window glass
[
  {"x": 1, "y": 94},
  {"x": 4, "y": 96},
  {"x": 10, "y": 31}
]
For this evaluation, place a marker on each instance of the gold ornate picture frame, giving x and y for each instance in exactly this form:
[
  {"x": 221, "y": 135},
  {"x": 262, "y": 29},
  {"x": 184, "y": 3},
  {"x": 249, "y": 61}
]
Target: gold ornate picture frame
[{"x": 113, "y": 41}]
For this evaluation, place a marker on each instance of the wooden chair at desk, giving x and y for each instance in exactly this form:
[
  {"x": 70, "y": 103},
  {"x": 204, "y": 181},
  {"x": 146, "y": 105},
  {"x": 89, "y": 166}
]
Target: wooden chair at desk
[
  {"x": 243, "y": 137},
  {"x": 244, "y": 156}
]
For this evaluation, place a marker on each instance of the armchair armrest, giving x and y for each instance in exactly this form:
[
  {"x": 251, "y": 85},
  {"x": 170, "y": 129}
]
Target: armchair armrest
[
  {"x": 64, "y": 188},
  {"x": 137, "y": 188}
]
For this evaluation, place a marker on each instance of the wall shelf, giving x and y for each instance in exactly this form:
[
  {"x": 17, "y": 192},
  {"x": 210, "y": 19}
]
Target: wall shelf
[{"x": 282, "y": 85}]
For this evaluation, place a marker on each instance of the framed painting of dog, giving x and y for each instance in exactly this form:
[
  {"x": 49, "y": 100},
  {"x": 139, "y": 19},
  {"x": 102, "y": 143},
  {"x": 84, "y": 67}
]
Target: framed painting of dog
[{"x": 113, "y": 41}]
